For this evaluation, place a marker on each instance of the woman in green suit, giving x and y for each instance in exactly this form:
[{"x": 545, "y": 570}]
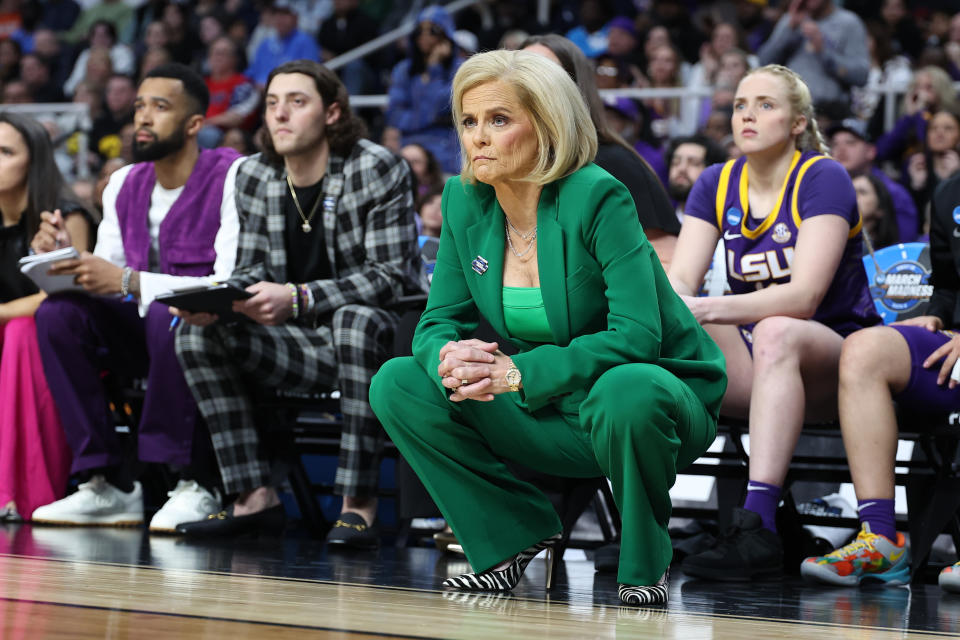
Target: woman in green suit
[{"x": 613, "y": 376}]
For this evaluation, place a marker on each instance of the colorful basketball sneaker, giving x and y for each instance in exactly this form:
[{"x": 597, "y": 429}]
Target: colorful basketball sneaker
[
  {"x": 871, "y": 557},
  {"x": 950, "y": 578}
]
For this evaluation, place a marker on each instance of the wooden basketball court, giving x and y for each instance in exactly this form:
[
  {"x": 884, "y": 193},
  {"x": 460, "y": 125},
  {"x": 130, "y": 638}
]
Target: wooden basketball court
[{"x": 103, "y": 583}]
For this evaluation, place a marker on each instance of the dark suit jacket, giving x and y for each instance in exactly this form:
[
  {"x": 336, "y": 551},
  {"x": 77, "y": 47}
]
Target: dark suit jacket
[{"x": 607, "y": 299}]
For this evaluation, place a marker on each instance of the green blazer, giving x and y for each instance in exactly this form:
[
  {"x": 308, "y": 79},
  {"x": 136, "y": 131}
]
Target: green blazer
[{"x": 606, "y": 296}]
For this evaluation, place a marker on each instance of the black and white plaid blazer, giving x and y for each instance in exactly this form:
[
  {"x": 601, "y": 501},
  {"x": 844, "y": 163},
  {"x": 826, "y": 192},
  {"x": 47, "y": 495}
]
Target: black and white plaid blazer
[{"x": 370, "y": 235}]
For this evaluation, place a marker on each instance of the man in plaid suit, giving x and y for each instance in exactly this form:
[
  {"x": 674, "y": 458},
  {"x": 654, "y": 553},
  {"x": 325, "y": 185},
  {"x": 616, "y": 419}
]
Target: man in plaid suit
[{"x": 327, "y": 241}]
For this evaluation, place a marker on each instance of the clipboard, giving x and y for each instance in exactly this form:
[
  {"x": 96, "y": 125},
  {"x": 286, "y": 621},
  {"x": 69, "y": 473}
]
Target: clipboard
[{"x": 216, "y": 298}]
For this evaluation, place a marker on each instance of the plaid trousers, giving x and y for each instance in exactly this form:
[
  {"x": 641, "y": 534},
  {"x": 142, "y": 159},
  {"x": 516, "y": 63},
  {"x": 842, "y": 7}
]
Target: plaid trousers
[{"x": 224, "y": 363}]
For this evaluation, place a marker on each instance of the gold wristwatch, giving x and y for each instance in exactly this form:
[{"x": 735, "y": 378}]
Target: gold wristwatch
[{"x": 512, "y": 378}]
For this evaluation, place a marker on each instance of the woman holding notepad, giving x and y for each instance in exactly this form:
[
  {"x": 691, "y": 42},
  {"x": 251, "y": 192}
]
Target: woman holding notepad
[{"x": 34, "y": 458}]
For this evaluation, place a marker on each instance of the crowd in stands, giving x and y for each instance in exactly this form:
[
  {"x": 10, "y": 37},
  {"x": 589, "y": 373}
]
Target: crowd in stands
[{"x": 335, "y": 217}]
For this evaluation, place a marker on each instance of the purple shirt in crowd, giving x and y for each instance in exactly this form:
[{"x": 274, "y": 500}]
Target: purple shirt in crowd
[{"x": 760, "y": 252}]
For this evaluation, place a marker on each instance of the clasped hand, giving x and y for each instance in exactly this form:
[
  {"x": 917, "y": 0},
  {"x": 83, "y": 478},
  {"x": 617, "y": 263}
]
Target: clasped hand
[{"x": 481, "y": 364}]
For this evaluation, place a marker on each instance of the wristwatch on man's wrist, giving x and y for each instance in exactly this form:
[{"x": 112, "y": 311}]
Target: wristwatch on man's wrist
[{"x": 512, "y": 378}]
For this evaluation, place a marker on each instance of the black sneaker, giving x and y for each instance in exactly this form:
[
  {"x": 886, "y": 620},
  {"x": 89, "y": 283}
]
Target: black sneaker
[{"x": 745, "y": 551}]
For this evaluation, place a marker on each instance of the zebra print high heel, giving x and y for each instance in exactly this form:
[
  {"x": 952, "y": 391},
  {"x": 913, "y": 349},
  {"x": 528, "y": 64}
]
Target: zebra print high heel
[
  {"x": 649, "y": 594},
  {"x": 507, "y": 578}
]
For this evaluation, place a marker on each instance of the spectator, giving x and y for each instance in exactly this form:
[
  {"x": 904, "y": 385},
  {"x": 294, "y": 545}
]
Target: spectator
[
  {"x": 288, "y": 43},
  {"x": 115, "y": 12},
  {"x": 782, "y": 343},
  {"x": 104, "y": 37},
  {"x": 347, "y": 28},
  {"x": 152, "y": 59},
  {"x": 631, "y": 121},
  {"x": 47, "y": 46},
  {"x": 183, "y": 40},
  {"x": 9, "y": 60},
  {"x": 169, "y": 221},
  {"x": 326, "y": 327},
  {"x": 612, "y": 73},
  {"x": 825, "y": 44},
  {"x": 938, "y": 161},
  {"x": 240, "y": 140},
  {"x": 429, "y": 212},
  {"x": 119, "y": 99},
  {"x": 233, "y": 98},
  {"x": 109, "y": 167},
  {"x": 717, "y": 127},
  {"x": 877, "y": 211},
  {"x": 59, "y": 15},
  {"x": 851, "y": 146},
  {"x": 905, "y": 38},
  {"x": 16, "y": 92},
  {"x": 886, "y": 68},
  {"x": 670, "y": 116},
  {"x": 930, "y": 91},
  {"x": 724, "y": 38},
  {"x": 592, "y": 34},
  {"x": 36, "y": 75},
  {"x": 754, "y": 22},
  {"x": 622, "y": 42},
  {"x": 34, "y": 457},
  {"x": 675, "y": 16},
  {"x": 952, "y": 47},
  {"x": 419, "y": 105},
  {"x": 156, "y": 36},
  {"x": 687, "y": 158},
  {"x": 425, "y": 168}
]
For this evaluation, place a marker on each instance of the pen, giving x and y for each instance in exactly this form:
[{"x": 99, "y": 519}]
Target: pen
[{"x": 174, "y": 323}]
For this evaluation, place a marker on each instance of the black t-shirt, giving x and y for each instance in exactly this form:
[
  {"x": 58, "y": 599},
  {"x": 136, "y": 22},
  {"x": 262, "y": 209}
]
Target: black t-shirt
[
  {"x": 14, "y": 244},
  {"x": 653, "y": 205},
  {"x": 306, "y": 252}
]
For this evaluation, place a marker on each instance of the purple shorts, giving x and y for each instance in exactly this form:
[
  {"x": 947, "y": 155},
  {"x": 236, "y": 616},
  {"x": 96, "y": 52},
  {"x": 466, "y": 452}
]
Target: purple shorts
[{"x": 922, "y": 392}]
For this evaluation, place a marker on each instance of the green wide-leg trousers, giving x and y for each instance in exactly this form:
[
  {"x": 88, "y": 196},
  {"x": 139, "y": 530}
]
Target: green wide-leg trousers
[{"x": 637, "y": 425}]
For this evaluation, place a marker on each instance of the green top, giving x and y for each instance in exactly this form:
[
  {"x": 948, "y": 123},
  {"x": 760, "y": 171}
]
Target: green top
[{"x": 524, "y": 314}]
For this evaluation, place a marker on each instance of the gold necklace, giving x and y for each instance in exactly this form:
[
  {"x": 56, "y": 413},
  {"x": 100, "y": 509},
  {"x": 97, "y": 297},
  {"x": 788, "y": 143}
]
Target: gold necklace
[{"x": 306, "y": 219}]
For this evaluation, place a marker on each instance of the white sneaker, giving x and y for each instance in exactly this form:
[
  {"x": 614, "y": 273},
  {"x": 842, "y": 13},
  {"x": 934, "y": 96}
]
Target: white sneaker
[
  {"x": 188, "y": 502},
  {"x": 96, "y": 502}
]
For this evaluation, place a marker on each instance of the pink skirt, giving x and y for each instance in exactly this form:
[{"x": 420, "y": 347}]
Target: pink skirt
[{"x": 34, "y": 456}]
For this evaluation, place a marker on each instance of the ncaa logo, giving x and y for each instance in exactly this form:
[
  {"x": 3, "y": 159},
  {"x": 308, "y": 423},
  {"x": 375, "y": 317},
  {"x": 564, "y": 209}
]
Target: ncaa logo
[
  {"x": 956, "y": 215},
  {"x": 734, "y": 216}
]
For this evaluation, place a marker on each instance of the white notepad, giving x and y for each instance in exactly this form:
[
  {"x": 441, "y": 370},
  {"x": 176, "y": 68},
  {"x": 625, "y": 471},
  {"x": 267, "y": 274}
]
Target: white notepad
[{"x": 36, "y": 266}]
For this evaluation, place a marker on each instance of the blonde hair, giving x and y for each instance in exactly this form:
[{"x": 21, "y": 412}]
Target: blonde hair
[
  {"x": 942, "y": 86},
  {"x": 566, "y": 137},
  {"x": 798, "y": 96}
]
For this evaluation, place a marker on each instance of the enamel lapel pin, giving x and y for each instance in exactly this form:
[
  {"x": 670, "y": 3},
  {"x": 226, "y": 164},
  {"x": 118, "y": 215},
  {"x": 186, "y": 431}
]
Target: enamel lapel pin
[{"x": 480, "y": 265}]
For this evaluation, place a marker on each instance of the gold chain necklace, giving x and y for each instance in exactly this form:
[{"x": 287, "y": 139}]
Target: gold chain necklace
[
  {"x": 307, "y": 228},
  {"x": 532, "y": 235}
]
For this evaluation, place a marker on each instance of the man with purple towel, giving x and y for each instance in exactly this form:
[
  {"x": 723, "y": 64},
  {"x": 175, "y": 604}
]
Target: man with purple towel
[{"x": 170, "y": 221}]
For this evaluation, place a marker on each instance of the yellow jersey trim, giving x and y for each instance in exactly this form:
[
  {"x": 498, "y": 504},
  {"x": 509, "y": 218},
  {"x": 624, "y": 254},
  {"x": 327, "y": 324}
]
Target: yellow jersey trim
[
  {"x": 775, "y": 212},
  {"x": 722, "y": 188},
  {"x": 794, "y": 209}
]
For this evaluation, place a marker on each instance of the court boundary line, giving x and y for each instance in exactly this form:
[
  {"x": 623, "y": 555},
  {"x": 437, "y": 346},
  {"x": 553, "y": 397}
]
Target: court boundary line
[
  {"x": 193, "y": 616},
  {"x": 547, "y": 602}
]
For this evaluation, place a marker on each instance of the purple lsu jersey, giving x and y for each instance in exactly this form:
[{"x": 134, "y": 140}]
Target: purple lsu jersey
[{"x": 759, "y": 252}]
